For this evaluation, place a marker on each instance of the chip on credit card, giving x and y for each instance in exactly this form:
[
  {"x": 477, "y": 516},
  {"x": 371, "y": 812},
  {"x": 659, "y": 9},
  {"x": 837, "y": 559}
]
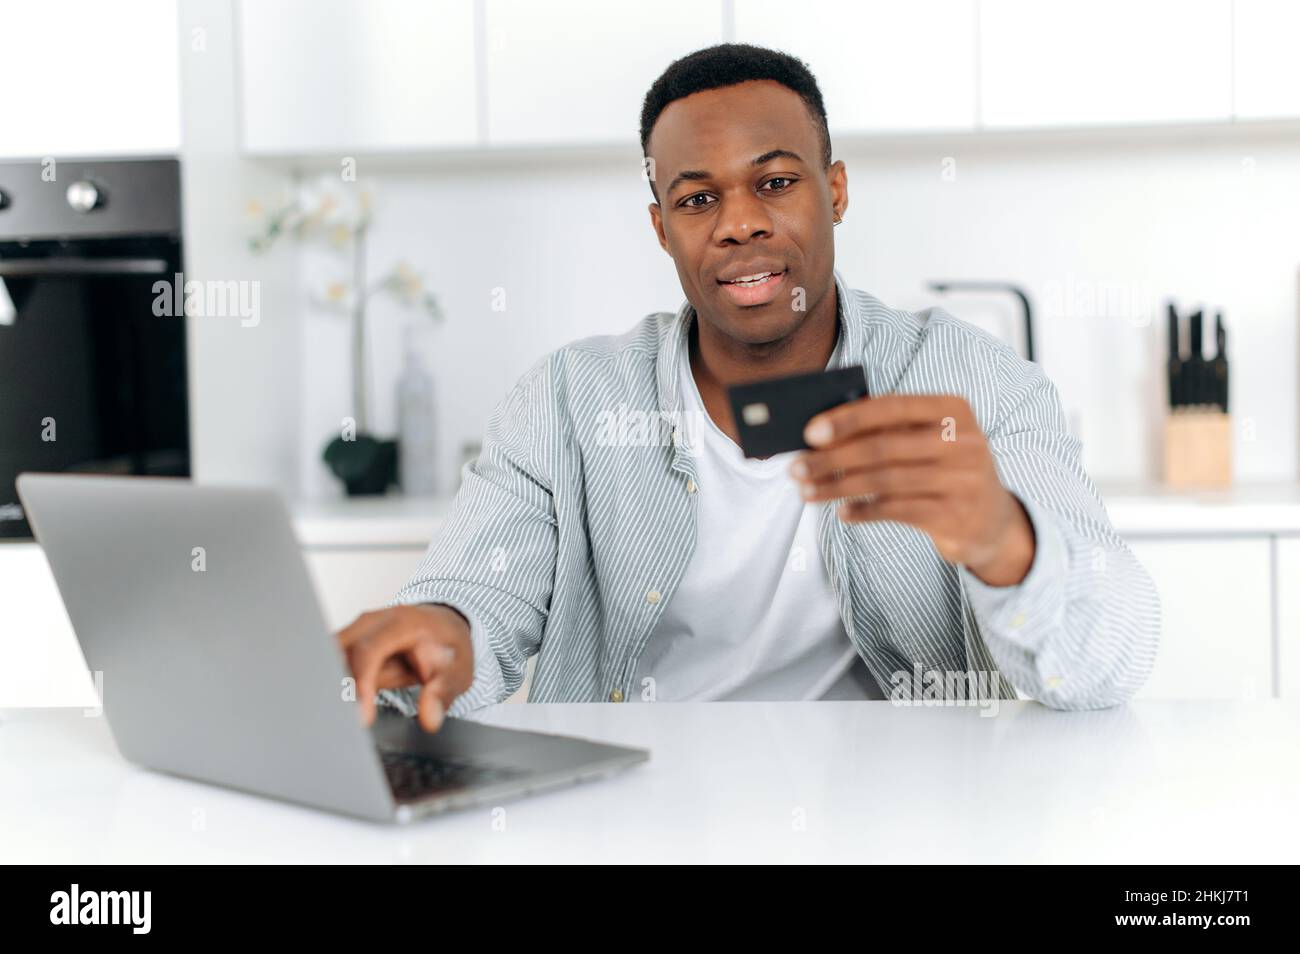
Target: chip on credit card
[{"x": 771, "y": 414}]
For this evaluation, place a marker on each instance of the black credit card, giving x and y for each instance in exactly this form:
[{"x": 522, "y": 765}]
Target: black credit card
[{"x": 772, "y": 414}]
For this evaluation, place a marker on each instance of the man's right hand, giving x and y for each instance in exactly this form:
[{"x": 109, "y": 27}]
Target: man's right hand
[{"x": 425, "y": 644}]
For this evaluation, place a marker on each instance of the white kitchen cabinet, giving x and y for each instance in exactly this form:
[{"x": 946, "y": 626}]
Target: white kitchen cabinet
[
  {"x": 1216, "y": 602},
  {"x": 1287, "y": 580},
  {"x": 357, "y": 75},
  {"x": 90, "y": 79},
  {"x": 1076, "y": 63},
  {"x": 1266, "y": 66},
  {"x": 577, "y": 71},
  {"x": 351, "y": 581},
  {"x": 40, "y": 659},
  {"x": 882, "y": 65}
]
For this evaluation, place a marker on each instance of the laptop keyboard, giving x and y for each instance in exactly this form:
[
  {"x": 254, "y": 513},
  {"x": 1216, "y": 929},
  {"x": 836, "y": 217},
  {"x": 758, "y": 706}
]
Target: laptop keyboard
[{"x": 414, "y": 776}]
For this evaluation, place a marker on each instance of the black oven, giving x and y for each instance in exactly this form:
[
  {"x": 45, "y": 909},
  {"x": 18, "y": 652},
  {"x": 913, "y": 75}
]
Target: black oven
[{"x": 92, "y": 369}]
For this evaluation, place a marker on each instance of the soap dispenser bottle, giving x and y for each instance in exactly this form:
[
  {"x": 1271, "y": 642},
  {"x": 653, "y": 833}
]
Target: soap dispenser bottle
[{"x": 415, "y": 424}]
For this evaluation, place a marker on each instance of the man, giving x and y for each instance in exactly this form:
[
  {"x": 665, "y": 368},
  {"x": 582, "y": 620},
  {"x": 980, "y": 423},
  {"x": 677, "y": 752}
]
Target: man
[{"x": 943, "y": 525}]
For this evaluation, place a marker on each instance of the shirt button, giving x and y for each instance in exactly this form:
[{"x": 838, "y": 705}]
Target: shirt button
[
  {"x": 652, "y": 596},
  {"x": 690, "y": 485},
  {"x": 1053, "y": 682},
  {"x": 616, "y": 695},
  {"x": 1018, "y": 620},
  {"x": 677, "y": 436}
]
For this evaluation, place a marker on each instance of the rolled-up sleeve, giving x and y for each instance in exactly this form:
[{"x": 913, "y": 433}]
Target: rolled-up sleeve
[{"x": 1081, "y": 630}]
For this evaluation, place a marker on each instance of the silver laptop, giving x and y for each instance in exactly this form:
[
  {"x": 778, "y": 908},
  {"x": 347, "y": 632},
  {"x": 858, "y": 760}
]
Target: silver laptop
[{"x": 196, "y": 606}]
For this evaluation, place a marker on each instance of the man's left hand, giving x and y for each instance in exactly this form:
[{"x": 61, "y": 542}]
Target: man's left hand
[{"x": 925, "y": 462}]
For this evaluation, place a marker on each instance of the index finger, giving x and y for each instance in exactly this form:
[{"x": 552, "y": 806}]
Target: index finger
[
  {"x": 879, "y": 413},
  {"x": 369, "y": 657}
]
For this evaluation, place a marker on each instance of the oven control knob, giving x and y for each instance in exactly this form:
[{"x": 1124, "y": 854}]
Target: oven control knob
[{"x": 84, "y": 196}]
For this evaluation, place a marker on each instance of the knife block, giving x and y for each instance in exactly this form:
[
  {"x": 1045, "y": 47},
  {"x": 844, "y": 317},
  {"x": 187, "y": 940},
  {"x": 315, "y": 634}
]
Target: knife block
[{"x": 1198, "y": 448}]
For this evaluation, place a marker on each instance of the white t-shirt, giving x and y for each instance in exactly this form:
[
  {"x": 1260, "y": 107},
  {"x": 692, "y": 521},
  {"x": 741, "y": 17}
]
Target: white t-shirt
[{"x": 754, "y": 616}]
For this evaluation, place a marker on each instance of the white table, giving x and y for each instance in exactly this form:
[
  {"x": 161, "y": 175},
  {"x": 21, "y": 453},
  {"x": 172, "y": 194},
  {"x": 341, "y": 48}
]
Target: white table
[{"x": 823, "y": 781}]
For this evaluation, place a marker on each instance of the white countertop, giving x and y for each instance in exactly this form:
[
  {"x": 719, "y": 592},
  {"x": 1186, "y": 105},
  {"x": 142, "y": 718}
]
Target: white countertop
[
  {"x": 390, "y": 521},
  {"x": 1254, "y": 508},
  {"x": 1151, "y": 782},
  {"x": 1135, "y": 510}
]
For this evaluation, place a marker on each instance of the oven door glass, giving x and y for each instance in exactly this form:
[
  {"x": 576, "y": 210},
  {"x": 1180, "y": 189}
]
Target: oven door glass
[{"x": 91, "y": 380}]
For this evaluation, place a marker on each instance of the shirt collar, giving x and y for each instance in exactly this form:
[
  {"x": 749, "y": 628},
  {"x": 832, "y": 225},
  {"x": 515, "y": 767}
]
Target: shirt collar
[{"x": 674, "y": 338}]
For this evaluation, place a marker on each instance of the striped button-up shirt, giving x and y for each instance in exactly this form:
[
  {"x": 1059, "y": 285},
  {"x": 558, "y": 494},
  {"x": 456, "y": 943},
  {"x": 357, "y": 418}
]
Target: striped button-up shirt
[{"x": 572, "y": 529}]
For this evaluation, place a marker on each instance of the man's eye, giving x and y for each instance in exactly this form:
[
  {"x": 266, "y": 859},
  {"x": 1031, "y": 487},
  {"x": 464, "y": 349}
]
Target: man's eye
[{"x": 690, "y": 202}]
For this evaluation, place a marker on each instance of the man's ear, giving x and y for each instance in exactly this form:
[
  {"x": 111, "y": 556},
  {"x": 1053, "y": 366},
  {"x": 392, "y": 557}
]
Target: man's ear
[
  {"x": 657, "y": 221},
  {"x": 839, "y": 182}
]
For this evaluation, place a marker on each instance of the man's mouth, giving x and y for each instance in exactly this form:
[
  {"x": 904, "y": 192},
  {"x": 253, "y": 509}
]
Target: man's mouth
[
  {"x": 751, "y": 281},
  {"x": 756, "y": 289}
]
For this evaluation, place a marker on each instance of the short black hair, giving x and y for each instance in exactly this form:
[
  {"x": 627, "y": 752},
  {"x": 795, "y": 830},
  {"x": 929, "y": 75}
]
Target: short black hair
[{"x": 727, "y": 64}]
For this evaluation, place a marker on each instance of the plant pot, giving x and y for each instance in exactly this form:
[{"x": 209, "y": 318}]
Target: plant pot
[{"x": 366, "y": 465}]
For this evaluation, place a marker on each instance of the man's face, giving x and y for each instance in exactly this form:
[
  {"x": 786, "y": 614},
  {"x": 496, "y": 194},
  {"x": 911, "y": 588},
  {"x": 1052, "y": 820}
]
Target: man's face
[{"x": 721, "y": 214}]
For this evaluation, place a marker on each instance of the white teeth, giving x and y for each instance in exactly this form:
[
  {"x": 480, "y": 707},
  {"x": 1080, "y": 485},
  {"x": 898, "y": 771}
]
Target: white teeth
[{"x": 757, "y": 279}]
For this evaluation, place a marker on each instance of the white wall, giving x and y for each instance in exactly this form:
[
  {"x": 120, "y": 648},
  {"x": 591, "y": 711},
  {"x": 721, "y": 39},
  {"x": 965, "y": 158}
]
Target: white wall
[
  {"x": 1213, "y": 220},
  {"x": 1216, "y": 222},
  {"x": 572, "y": 248},
  {"x": 244, "y": 376}
]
